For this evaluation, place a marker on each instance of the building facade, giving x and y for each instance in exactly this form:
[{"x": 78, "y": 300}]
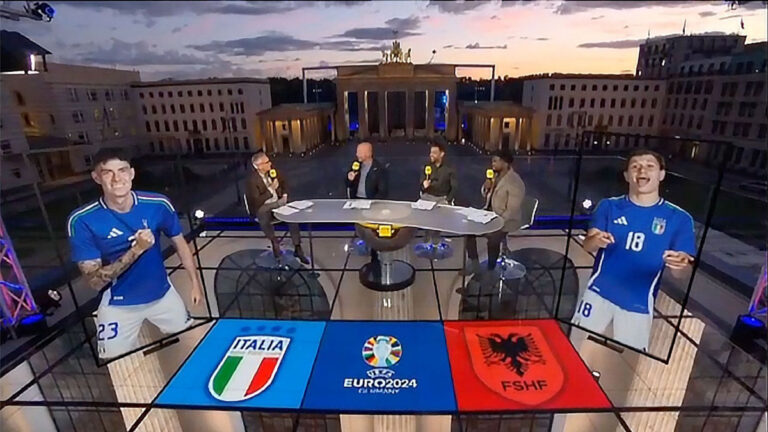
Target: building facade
[
  {"x": 566, "y": 105},
  {"x": 497, "y": 125},
  {"x": 67, "y": 113},
  {"x": 295, "y": 128},
  {"x": 719, "y": 96},
  {"x": 201, "y": 116}
]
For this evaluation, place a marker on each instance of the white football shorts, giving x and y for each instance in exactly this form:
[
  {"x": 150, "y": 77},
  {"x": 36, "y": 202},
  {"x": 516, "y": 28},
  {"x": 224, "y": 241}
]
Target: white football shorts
[
  {"x": 117, "y": 327},
  {"x": 594, "y": 313}
]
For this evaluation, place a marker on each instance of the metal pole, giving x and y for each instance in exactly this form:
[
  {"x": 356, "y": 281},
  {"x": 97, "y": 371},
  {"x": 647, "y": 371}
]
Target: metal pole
[
  {"x": 493, "y": 81},
  {"x": 304, "y": 83}
]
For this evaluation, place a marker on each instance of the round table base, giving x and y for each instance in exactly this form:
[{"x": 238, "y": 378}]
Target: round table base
[{"x": 389, "y": 276}]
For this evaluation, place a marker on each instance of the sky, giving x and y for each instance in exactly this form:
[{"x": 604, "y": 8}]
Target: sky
[{"x": 198, "y": 39}]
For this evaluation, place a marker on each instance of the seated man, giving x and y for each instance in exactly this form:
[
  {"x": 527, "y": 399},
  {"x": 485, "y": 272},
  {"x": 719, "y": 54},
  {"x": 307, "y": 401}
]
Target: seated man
[
  {"x": 264, "y": 194},
  {"x": 503, "y": 195}
]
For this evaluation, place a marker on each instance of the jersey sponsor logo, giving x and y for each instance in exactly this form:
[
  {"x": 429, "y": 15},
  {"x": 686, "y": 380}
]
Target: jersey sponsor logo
[
  {"x": 248, "y": 367},
  {"x": 381, "y": 353},
  {"x": 114, "y": 232},
  {"x": 621, "y": 221},
  {"x": 658, "y": 225},
  {"x": 515, "y": 362}
]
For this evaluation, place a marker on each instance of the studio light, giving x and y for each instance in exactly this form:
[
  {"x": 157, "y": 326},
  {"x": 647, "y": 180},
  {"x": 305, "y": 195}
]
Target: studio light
[
  {"x": 199, "y": 214},
  {"x": 587, "y": 203}
]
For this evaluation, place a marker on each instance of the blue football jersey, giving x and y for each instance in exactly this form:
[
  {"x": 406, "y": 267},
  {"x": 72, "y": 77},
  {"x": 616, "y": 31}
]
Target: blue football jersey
[
  {"x": 96, "y": 231},
  {"x": 627, "y": 272}
]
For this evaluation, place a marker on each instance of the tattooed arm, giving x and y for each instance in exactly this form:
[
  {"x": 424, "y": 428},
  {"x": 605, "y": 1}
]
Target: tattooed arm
[{"x": 98, "y": 275}]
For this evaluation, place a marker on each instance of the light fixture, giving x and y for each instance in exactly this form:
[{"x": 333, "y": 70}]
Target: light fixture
[
  {"x": 596, "y": 374},
  {"x": 199, "y": 214},
  {"x": 587, "y": 203}
]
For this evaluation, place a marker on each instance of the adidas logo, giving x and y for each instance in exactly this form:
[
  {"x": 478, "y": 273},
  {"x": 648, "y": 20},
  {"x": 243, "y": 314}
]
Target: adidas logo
[
  {"x": 621, "y": 221},
  {"x": 114, "y": 233}
]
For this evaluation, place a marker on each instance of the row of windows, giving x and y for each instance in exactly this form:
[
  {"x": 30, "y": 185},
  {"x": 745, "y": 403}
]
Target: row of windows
[
  {"x": 232, "y": 123},
  {"x": 688, "y": 87},
  {"x": 234, "y": 108},
  {"x": 635, "y": 87},
  {"x": 723, "y": 69},
  {"x": 556, "y": 103},
  {"x": 746, "y": 109},
  {"x": 621, "y": 141},
  {"x": 160, "y": 148},
  {"x": 601, "y": 122},
  {"x": 92, "y": 95},
  {"x": 98, "y": 115},
  {"x": 682, "y": 103},
  {"x": 190, "y": 93}
]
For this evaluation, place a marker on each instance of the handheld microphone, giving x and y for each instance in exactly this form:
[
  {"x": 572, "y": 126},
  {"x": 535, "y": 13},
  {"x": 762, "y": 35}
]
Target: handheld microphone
[
  {"x": 355, "y": 166},
  {"x": 273, "y": 174},
  {"x": 489, "y": 174},
  {"x": 428, "y": 171}
]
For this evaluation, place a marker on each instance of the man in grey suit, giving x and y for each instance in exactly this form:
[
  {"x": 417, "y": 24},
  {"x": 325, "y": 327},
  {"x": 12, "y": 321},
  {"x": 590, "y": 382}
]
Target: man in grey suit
[{"x": 503, "y": 195}]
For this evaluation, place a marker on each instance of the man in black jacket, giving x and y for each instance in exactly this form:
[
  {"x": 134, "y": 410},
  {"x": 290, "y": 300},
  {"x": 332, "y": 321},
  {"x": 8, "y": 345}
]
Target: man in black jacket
[
  {"x": 368, "y": 179},
  {"x": 440, "y": 185},
  {"x": 264, "y": 194}
]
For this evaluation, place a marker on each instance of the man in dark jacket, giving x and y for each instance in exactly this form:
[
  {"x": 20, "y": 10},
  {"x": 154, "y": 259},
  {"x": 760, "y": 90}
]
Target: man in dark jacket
[
  {"x": 440, "y": 185},
  {"x": 368, "y": 178},
  {"x": 264, "y": 194}
]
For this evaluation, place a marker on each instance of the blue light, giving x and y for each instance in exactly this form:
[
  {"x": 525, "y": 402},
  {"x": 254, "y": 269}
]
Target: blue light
[
  {"x": 31, "y": 319},
  {"x": 50, "y": 11},
  {"x": 751, "y": 321}
]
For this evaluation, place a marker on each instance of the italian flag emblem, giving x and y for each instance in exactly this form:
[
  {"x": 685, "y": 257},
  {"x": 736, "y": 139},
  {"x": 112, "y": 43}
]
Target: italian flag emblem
[{"x": 248, "y": 367}]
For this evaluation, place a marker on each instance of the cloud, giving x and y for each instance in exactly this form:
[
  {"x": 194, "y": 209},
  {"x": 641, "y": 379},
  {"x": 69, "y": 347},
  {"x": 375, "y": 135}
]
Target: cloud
[
  {"x": 706, "y": 14},
  {"x": 627, "y": 71},
  {"x": 572, "y": 7},
  {"x": 447, "y": 46},
  {"x": 542, "y": 39},
  {"x": 495, "y": 17},
  {"x": 178, "y": 29},
  {"x": 140, "y": 54},
  {"x": 456, "y": 7},
  {"x": 158, "y": 9},
  {"x": 477, "y": 45},
  {"x": 280, "y": 42},
  {"x": 219, "y": 70},
  {"x": 595, "y": 18},
  {"x": 403, "y": 27},
  {"x": 633, "y": 43}
]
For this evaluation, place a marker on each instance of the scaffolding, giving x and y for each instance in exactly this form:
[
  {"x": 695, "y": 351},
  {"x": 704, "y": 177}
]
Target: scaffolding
[{"x": 16, "y": 301}]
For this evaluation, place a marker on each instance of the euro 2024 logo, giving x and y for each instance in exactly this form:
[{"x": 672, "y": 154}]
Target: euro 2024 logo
[{"x": 381, "y": 353}]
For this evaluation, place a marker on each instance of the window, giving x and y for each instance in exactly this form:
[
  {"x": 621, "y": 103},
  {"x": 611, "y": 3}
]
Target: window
[
  {"x": 151, "y": 95},
  {"x": 144, "y": 109},
  {"x": 590, "y": 120},
  {"x": 192, "y": 108},
  {"x": 246, "y": 146},
  {"x": 605, "y": 87},
  {"x": 762, "y": 131},
  {"x": 219, "y": 91},
  {"x": 602, "y": 102},
  {"x": 167, "y": 125},
  {"x": 189, "y": 93},
  {"x": 224, "y": 124},
  {"x": 154, "y": 109},
  {"x": 175, "y": 125},
  {"x": 82, "y": 137},
  {"x": 244, "y": 126},
  {"x": 697, "y": 87},
  {"x": 160, "y": 94},
  {"x": 161, "y": 146},
  {"x": 635, "y": 87},
  {"x": 642, "y": 103},
  {"x": 704, "y": 104},
  {"x": 209, "y": 93},
  {"x": 72, "y": 95},
  {"x": 242, "y": 106},
  {"x": 216, "y": 144},
  {"x": 213, "y": 124},
  {"x": 551, "y": 87},
  {"x": 199, "y": 92},
  {"x": 205, "y": 125},
  {"x": 210, "y": 107},
  {"x": 5, "y": 146},
  {"x": 626, "y": 87},
  {"x": 202, "y": 107},
  {"x": 632, "y": 103},
  {"x": 240, "y": 91},
  {"x": 157, "y": 126},
  {"x": 656, "y": 87},
  {"x": 582, "y": 101},
  {"x": 182, "y": 108},
  {"x": 594, "y": 87},
  {"x": 570, "y": 102},
  {"x": 221, "y": 105},
  {"x": 758, "y": 88},
  {"x": 92, "y": 95},
  {"x": 173, "y": 109},
  {"x": 170, "y": 95},
  {"x": 77, "y": 117},
  {"x": 236, "y": 141},
  {"x": 613, "y": 103},
  {"x": 179, "y": 93},
  {"x": 738, "y": 155},
  {"x": 685, "y": 104},
  {"x": 693, "y": 104},
  {"x": 621, "y": 121},
  {"x": 573, "y": 88},
  {"x": 147, "y": 125},
  {"x": 653, "y": 103},
  {"x": 629, "y": 121},
  {"x": 640, "y": 121},
  {"x": 162, "y": 108},
  {"x": 559, "y": 120},
  {"x": 592, "y": 103},
  {"x": 615, "y": 87},
  {"x": 234, "y": 124},
  {"x": 184, "y": 125},
  {"x": 546, "y": 140},
  {"x": 194, "y": 126},
  {"x": 745, "y": 130},
  {"x": 583, "y": 87},
  {"x": 108, "y": 95},
  {"x": 650, "y": 121},
  {"x": 141, "y": 96},
  {"x": 610, "y": 120}
]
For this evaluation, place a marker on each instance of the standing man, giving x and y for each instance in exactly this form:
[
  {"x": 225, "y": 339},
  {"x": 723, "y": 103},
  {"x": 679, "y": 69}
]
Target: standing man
[
  {"x": 370, "y": 180},
  {"x": 503, "y": 195},
  {"x": 113, "y": 241},
  {"x": 264, "y": 194},
  {"x": 636, "y": 236},
  {"x": 440, "y": 185}
]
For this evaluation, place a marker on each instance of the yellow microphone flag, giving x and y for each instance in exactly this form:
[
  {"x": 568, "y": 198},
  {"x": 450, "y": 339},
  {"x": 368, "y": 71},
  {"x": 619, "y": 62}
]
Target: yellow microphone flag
[
  {"x": 428, "y": 170},
  {"x": 489, "y": 174},
  {"x": 273, "y": 173},
  {"x": 355, "y": 166}
]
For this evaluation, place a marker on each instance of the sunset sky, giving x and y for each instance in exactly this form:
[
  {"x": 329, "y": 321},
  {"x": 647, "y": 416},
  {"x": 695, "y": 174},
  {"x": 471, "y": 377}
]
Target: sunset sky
[{"x": 195, "y": 39}]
